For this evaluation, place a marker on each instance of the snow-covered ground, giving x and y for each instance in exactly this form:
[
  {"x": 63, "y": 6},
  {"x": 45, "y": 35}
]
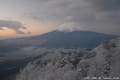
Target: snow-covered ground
[{"x": 75, "y": 64}]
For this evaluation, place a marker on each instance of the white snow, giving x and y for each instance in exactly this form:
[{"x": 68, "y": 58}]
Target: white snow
[{"x": 75, "y": 64}]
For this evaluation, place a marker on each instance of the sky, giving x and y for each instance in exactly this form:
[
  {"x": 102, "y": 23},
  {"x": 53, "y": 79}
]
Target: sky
[{"x": 33, "y": 17}]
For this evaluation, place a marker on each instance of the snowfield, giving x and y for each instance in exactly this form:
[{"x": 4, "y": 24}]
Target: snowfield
[{"x": 75, "y": 64}]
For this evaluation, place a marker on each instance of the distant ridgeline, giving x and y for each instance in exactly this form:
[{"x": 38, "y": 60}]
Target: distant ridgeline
[
  {"x": 58, "y": 39},
  {"x": 75, "y": 39}
]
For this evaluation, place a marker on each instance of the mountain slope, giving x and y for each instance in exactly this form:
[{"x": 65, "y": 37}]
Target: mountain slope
[
  {"x": 107, "y": 60},
  {"x": 76, "y": 64},
  {"x": 57, "y": 39},
  {"x": 75, "y": 39}
]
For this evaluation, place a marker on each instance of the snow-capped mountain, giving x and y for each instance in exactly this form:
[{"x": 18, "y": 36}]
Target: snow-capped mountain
[{"x": 76, "y": 64}]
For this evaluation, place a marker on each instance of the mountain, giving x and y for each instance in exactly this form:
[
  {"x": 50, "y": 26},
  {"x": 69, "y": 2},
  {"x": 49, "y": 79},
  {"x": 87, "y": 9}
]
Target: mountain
[
  {"x": 57, "y": 39},
  {"x": 102, "y": 62},
  {"x": 75, "y": 39}
]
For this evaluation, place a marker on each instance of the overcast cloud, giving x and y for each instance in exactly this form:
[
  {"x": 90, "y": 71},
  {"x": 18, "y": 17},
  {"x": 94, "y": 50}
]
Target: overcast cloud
[{"x": 93, "y": 15}]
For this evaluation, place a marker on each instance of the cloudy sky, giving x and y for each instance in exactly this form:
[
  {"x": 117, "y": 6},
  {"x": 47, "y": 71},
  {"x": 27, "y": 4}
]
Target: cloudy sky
[{"x": 32, "y": 17}]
